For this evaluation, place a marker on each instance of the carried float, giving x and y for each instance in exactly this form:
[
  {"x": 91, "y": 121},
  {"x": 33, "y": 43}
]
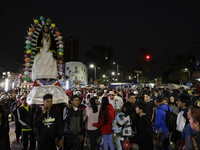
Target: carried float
[{"x": 43, "y": 61}]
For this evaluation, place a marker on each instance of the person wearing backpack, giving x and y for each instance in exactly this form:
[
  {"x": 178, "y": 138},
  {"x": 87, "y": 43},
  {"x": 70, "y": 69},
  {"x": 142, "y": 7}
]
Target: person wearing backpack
[{"x": 161, "y": 115}]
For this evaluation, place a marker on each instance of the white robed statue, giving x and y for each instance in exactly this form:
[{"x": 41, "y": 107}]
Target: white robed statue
[
  {"x": 45, "y": 62},
  {"x": 44, "y": 70}
]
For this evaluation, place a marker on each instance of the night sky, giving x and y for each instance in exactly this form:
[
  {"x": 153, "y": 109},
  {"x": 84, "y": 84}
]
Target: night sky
[{"x": 168, "y": 27}]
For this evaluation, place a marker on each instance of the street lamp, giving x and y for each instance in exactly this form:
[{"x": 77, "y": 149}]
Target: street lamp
[
  {"x": 186, "y": 69},
  {"x": 92, "y": 66},
  {"x": 104, "y": 76},
  {"x": 113, "y": 73}
]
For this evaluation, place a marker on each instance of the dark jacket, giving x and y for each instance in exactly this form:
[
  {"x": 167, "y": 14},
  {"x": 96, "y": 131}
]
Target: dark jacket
[
  {"x": 23, "y": 116},
  {"x": 144, "y": 136},
  {"x": 48, "y": 126},
  {"x": 4, "y": 127},
  {"x": 189, "y": 143},
  {"x": 150, "y": 106},
  {"x": 13, "y": 109},
  {"x": 73, "y": 121}
]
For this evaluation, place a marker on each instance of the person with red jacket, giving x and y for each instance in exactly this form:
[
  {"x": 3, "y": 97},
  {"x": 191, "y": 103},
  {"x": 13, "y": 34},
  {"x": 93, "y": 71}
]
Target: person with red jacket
[{"x": 107, "y": 114}]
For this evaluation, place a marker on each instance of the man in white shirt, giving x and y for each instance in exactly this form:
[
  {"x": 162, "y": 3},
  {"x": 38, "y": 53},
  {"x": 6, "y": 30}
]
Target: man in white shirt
[{"x": 115, "y": 101}]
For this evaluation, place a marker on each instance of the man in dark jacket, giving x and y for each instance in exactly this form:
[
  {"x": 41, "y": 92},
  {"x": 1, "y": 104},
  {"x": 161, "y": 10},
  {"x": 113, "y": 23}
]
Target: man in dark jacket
[
  {"x": 3, "y": 101},
  {"x": 144, "y": 136},
  {"x": 150, "y": 105},
  {"x": 195, "y": 97},
  {"x": 23, "y": 114},
  {"x": 135, "y": 117},
  {"x": 14, "y": 106},
  {"x": 73, "y": 120},
  {"x": 48, "y": 125}
]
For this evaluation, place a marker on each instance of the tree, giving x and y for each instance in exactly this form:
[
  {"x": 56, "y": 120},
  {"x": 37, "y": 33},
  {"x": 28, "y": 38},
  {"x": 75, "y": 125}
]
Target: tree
[{"x": 179, "y": 69}]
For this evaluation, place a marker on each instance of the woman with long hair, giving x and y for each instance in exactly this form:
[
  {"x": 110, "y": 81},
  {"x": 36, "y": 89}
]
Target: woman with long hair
[
  {"x": 107, "y": 114},
  {"x": 91, "y": 115}
]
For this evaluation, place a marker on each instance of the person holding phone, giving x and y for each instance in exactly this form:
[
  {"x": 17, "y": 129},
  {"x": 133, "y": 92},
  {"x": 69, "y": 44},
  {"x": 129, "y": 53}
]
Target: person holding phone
[{"x": 48, "y": 125}]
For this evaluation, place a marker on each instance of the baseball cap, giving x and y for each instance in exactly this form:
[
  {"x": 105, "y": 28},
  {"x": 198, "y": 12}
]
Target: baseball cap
[{"x": 3, "y": 97}]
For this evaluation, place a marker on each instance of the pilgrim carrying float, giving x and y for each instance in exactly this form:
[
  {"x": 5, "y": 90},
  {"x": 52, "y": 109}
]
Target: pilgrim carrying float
[{"x": 43, "y": 62}]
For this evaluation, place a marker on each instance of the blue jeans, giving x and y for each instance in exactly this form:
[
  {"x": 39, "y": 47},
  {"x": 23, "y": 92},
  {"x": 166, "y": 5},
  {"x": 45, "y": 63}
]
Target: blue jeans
[
  {"x": 165, "y": 141},
  {"x": 107, "y": 138}
]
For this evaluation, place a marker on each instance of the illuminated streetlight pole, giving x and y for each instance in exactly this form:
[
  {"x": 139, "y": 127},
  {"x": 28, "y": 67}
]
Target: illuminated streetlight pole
[{"x": 92, "y": 66}]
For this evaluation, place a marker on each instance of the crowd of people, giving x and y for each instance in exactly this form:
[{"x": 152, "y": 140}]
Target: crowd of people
[{"x": 94, "y": 118}]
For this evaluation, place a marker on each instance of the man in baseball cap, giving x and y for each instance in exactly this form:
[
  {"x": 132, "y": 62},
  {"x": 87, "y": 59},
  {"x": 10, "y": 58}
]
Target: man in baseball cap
[
  {"x": 3, "y": 101},
  {"x": 195, "y": 97}
]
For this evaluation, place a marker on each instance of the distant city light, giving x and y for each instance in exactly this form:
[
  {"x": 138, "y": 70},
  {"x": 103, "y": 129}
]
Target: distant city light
[
  {"x": 13, "y": 85},
  {"x": 91, "y": 66},
  {"x": 6, "y": 85}
]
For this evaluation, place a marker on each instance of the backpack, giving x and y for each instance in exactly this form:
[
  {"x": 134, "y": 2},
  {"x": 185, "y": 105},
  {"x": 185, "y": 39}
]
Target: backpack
[{"x": 170, "y": 120}]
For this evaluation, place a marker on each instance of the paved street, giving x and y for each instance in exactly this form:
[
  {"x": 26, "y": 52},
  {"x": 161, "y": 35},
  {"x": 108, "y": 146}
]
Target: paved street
[
  {"x": 17, "y": 146},
  {"x": 14, "y": 145}
]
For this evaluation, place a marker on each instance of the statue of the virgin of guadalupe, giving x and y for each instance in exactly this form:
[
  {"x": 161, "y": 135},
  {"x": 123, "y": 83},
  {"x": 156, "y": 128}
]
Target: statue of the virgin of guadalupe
[{"x": 45, "y": 61}]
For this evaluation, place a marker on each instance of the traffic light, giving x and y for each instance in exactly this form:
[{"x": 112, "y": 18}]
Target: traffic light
[{"x": 147, "y": 57}]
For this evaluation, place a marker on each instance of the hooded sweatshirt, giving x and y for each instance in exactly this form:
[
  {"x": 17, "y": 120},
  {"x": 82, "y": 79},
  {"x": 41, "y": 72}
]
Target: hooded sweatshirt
[{"x": 48, "y": 125}]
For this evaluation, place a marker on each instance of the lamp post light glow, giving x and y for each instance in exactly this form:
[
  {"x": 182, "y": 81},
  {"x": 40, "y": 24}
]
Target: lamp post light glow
[
  {"x": 104, "y": 76},
  {"x": 113, "y": 73},
  {"x": 95, "y": 76},
  {"x": 91, "y": 66}
]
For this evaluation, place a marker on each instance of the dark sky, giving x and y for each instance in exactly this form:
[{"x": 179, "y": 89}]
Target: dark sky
[{"x": 168, "y": 27}]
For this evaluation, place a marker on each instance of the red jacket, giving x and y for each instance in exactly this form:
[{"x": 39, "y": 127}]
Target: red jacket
[{"x": 106, "y": 128}]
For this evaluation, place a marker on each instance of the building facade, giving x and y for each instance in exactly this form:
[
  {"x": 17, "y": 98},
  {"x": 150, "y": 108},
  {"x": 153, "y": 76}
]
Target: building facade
[{"x": 77, "y": 73}]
